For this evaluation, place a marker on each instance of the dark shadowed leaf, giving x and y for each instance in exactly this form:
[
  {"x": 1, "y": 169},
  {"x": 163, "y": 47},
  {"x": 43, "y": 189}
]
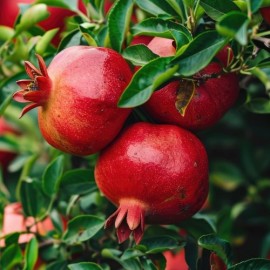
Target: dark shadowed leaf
[
  {"x": 82, "y": 228},
  {"x": 199, "y": 52},
  {"x": 259, "y": 105},
  {"x": 145, "y": 81},
  {"x": 215, "y": 9},
  {"x": 84, "y": 266},
  {"x": 78, "y": 181},
  {"x": 118, "y": 22},
  {"x": 252, "y": 264},
  {"x": 221, "y": 247}
]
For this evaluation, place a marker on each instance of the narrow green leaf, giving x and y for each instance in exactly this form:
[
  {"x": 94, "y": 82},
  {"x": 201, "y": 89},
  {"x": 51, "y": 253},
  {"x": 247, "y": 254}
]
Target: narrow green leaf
[
  {"x": 157, "y": 8},
  {"x": 44, "y": 42},
  {"x": 159, "y": 27},
  {"x": 88, "y": 34},
  {"x": 32, "y": 16},
  {"x": 84, "y": 266},
  {"x": 68, "y": 4},
  {"x": 11, "y": 257},
  {"x": 52, "y": 175},
  {"x": 252, "y": 264},
  {"x": 221, "y": 247},
  {"x": 78, "y": 181},
  {"x": 215, "y": 9},
  {"x": 234, "y": 25},
  {"x": 139, "y": 55},
  {"x": 31, "y": 254},
  {"x": 5, "y": 104},
  {"x": 82, "y": 228},
  {"x": 6, "y": 33},
  {"x": 145, "y": 81},
  {"x": 259, "y": 105},
  {"x": 118, "y": 22},
  {"x": 73, "y": 38},
  {"x": 199, "y": 52}
]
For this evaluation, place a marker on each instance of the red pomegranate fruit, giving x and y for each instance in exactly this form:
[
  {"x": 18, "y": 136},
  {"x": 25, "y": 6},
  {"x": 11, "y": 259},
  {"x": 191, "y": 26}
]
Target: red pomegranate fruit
[
  {"x": 215, "y": 92},
  {"x": 216, "y": 262},
  {"x": 77, "y": 98},
  {"x": 155, "y": 174},
  {"x": 175, "y": 261},
  {"x": 266, "y": 14}
]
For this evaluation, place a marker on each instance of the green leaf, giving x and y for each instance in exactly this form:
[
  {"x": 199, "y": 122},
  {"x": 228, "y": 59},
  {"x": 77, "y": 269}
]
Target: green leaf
[
  {"x": 157, "y": 8},
  {"x": 157, "y": 244},
  {"x": 160, "y": 28},
  {"x": 73, "y": 38},
  {"x": 234, "y": 25},
  {"x": 32, "y": 16},
  {"x": 84, "y": 266},
  {"x": 118, "y": 22},
  {"x": 82, "y": 228},
  {"x": 52, "y": 175},
  {"x": 11, "y": 257},
  {"x": 198, "y": 225},
  {"x": 6, "y": 33},
  {"x": 33, "y": 200},
  {"x": 255, "y": 5},
  {"x": 221, "y": 247},
  {"x": 12, "y": 238},
  {"x": 78, "y": 181},
  {"x": 68, "y": 4},
  {"x": 5, "y": 103},
  {"x": 199, "y": 53},
  {"x": 139, "y": 55},
  {"x": 259, "y": 105},
  {"x": 252, "y": 264},
  {"x": 44, "y": 42},
  {"x": 226, "y": 175},
  {"x": 88, "y": 34},
  {"x": 145, "y": 81},
  {"x": 31, "y": 254},
  {"x": 215, "y": 9}
]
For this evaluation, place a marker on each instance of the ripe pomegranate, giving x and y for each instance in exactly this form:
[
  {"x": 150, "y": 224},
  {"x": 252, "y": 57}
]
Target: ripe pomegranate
[
  {"x": 77, "y": 98},
  {"x": 141, "y": 40},
  {"x": 156, "y": 174},
  {"x": 9, "y": 11},
  {"x": 216, "y": 262},
  {"x": 175, "y": 261},
  {"x": 6, "y": 156},
  {"x": 15, "y": 221},
  {"x": 266, "y": 14},
  {"x": 214, "y": 94}
]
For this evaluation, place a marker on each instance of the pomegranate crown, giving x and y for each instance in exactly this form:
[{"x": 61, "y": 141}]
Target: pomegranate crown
[{"x": 36, "y": 89}]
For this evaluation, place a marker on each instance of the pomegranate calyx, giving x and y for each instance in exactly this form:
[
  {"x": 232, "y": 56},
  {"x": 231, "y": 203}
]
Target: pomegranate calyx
[
  {"x": 36, "y": 89},
  {"x": 127, "y": 219}
]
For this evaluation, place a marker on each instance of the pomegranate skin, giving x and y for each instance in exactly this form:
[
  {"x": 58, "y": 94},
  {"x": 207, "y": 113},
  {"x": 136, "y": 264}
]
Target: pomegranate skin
[
  {"x": 212, "y": 96},
  {"x": 156, "y": 174},
  {"x": 266, "y": 14},
  {"x": 78, "y": 97}
]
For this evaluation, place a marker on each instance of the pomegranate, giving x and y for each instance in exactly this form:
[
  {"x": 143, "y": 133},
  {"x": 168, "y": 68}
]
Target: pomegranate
[
  {"x": 266, "y": 14},
  {"x": 6, "y": 156},
  {"x": 15, "y": 221},
  {"x": 77, "y": 98},
  {"x": 216, "y": 262},
  {"x": 176, "y": 261},
  {"x": 156, "y": 174},
  {"x": 215, "y": 92}
]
